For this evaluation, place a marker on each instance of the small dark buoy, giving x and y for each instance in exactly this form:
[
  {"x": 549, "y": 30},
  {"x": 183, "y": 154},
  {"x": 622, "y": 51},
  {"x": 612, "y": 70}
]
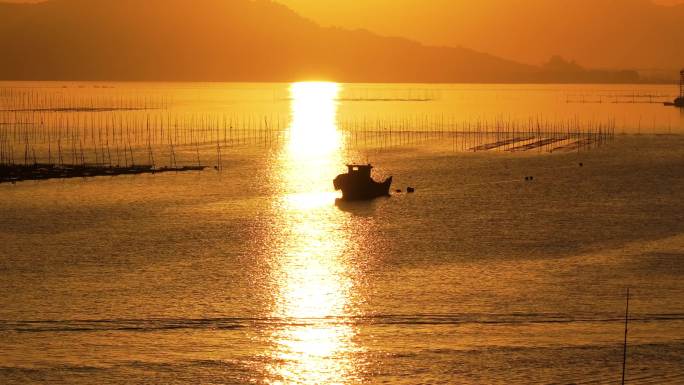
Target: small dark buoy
[
  {"x": 216, "y": 168},
  {"x": 527, "y": 178},
  {"x": 410, "y": 190},
  {"x": 581, "y": 164},
  {"x": 531, "y": 178}
]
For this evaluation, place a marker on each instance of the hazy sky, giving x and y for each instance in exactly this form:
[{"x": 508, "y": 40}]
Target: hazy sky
[{"x": 597, "y": 33}]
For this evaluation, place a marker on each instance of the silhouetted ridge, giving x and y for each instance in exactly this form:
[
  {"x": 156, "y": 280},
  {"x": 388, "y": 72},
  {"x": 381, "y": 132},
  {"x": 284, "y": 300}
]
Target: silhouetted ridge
[
  {"x": 613, "y": 34},
  {"x": 219, "y": 40}
]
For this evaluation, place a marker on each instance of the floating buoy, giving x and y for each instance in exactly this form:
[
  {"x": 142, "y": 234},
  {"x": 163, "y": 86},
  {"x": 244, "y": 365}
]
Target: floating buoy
[
  {"x": 410, "y": 190},
  {"x": 581, "y": 164}
]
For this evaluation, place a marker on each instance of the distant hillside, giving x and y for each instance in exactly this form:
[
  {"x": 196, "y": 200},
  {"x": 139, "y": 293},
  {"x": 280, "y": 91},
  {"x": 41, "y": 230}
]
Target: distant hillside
[
  {"x": 597, "y": 33},
  {"x": 219, "y": 40}
]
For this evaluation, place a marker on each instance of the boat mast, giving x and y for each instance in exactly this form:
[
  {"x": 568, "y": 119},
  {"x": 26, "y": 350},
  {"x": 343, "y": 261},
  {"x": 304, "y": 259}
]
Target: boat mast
[{"x": 681, "y": 84}]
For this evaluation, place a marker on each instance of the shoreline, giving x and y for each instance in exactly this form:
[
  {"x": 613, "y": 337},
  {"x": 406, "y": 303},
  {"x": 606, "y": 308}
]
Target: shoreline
[{"x": 35, "y": 172}]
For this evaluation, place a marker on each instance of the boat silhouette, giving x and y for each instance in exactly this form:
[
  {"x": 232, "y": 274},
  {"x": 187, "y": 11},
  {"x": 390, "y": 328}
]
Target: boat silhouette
[
  {"x": 357, "y": 184},
  {"x": 679, "y": 102}
]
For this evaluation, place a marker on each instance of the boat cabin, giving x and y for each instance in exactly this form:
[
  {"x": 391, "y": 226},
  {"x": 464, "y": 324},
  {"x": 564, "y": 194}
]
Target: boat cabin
[{"x": 360, "y": 170}]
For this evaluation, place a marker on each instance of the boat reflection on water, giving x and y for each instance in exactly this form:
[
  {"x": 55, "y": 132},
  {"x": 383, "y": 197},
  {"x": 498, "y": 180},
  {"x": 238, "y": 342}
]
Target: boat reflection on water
[
  {"x": 359, "y": 209},
  {"x": 311, "y": 275}
]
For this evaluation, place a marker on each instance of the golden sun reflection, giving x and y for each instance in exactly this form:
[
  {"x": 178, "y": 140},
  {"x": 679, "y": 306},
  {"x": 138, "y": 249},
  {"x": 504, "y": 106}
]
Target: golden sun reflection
[
  {"x": 313, "y": 132},
  {"x": 310, "y": 273},
  {"x": 313, "y": 155}
]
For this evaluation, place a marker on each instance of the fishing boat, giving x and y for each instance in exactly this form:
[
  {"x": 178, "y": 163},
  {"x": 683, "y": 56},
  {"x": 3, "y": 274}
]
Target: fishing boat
[
  {"x": 679, "y": 102},
  {"x": 357, "y": 184}
]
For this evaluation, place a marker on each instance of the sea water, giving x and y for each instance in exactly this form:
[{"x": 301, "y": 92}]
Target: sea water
[{"x": 253, "y": 274}]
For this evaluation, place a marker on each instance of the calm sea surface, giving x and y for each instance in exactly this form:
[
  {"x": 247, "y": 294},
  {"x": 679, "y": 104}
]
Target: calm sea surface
[{"x": 253, "y": 274}]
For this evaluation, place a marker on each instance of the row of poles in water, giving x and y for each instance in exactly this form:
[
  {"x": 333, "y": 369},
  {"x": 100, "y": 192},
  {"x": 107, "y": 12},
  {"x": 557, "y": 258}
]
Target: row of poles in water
[
  {"x": 140, "y": 137},
  {"x": 29, "y": 100}
]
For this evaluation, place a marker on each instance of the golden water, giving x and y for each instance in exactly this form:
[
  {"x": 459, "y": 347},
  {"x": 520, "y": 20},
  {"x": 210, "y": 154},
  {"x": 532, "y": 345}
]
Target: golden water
[{"x": 254, "y": 275}]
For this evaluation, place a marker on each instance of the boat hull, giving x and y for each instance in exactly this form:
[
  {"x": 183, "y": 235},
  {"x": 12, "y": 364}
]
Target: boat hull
[{"x": 359, "y": 189}]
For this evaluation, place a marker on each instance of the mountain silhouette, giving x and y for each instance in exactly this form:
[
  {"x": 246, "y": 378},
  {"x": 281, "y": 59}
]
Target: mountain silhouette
[
  {"x": 637, "y": 34},
  {"x": 236, "y": 40}
]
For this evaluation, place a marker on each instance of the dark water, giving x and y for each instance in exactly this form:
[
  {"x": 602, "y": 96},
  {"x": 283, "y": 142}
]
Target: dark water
[{"x": 253, "y": 275}]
